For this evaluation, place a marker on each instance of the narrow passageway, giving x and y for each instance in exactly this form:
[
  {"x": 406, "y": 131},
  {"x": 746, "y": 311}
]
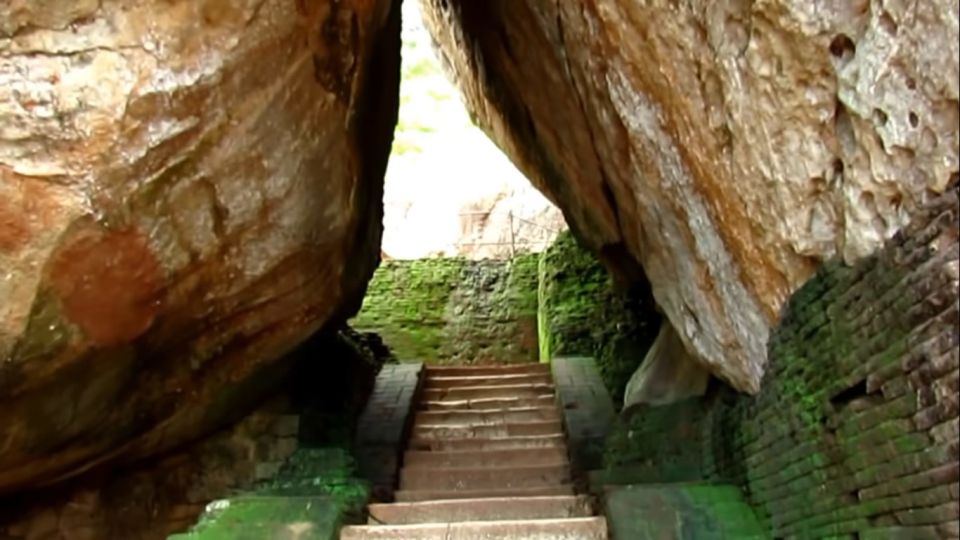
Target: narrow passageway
[
  {"x": 253, "y": 255},
  {"x": 486, "y": 458}
]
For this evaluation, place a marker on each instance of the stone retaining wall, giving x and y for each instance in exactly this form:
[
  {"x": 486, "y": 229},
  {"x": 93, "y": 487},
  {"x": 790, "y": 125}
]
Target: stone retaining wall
[{"x": 451, "y": 310}]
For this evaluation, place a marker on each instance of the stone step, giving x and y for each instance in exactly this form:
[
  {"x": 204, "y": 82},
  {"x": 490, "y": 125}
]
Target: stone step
[
  {"x": 705, "y": 511},
  {"x": 479, "y": 417},
  {"x": 517, "y": 429},
  {"x": 459, "y": 479},
  {"x": 430, "y": 495},
  {"x": 443, "y": 381},
  {"x": 590, "y": 528},
  {"x": 493, "y": 509},
  {"x": 486, "y": 458},
  {"x": 468, "y": 371},
  {"x": 496, "y": 443},
  {"x": 545, "y": 400},
  {"x": 480, "y": 392}
]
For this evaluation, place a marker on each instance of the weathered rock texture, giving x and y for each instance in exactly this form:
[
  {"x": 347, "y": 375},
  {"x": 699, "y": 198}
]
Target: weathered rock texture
[
  {"x": 856, "y": 427},
  {"x": 187, "y": 190},
  {"x": 727, "y": 146},
  {"x": 267, "y": 453}
]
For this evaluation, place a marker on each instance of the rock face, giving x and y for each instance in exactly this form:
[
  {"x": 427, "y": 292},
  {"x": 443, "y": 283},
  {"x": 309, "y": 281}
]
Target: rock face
[
  {"x": 667, "y": 374},
  {"x": 727, "y": 147},
  {"x": 187, "y": 190}
]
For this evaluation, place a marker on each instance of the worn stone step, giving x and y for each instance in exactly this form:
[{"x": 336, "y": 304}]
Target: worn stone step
[
  {"x": 683, "y": 510},
  {"x": 491, "y": 509},
  {"x": 517, "y": 429},
  {"x": 479, "y": 392},
  {"x": 496, "y": 443},
  {"x": 479, "y": 417},
  {"x": 459, "y": 479},
  {"x": 467, "y": 371},
  {"x": 507, "y": 379},
  {"x": 487, "y": 458},
  {"x": 444, "y": 494},
  {"x": 545, "y": 400},
  {"x": 589, "y": 528}
]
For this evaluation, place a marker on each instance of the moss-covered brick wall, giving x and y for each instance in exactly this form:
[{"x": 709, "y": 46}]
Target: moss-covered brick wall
[
  {"x": 452, "y": 310},
  {"x": 855, "y": 431},
  {"x": 582, "y": 313}
]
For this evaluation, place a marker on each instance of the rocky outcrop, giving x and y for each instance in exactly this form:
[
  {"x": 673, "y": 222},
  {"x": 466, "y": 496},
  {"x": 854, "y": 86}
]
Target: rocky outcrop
[
  {"x": 187, "y": 190},
  {"x": 668, "y": 373},
  {"x": 727, "y": 147}
]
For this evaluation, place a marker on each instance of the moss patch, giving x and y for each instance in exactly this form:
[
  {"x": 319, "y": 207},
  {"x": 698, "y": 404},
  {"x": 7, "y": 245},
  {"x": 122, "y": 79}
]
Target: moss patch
[
  {"x": 453, "y": 310},
  {"x": 582, "y": 313},
  {"x": 315, "y": 493}
]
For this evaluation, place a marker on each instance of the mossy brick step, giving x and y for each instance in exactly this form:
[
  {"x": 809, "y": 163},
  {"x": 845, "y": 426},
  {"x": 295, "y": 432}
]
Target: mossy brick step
[
  {"x": 459, "y": 479},
  {"x": 430, "y": 495},
  {"x": 487, "y": 416},
  {"x": 481, "y": 392},
  {"x": 438, "y": 381},
  {"x": 486, "y": 458},
  {"x": 701, "y": 511},
  {"x": 588, "y": 528},
  {"x": 494, "y": 443},
  {"x": 472, "y": 371},
  {"x": 489, "y": 509},
  {"x": 516, "y": 429},
  {"x": 264, "y": 517},
  {"x": 545, "y": 400}
]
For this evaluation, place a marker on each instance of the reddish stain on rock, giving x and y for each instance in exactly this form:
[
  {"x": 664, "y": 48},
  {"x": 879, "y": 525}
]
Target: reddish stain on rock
[
  {"x": 14, "y": 232},
  {"x": 26, "y": 207},
  {"x": 109, "y": 283}
]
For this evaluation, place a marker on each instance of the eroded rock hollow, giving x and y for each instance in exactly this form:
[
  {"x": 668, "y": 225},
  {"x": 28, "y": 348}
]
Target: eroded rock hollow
[
  {"x": 726, "y": 147},
  {"x": 187, "y": 190}
]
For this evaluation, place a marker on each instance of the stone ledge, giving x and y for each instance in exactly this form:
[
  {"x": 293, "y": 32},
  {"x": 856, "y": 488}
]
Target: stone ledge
[{"x": 384, "y": 425}]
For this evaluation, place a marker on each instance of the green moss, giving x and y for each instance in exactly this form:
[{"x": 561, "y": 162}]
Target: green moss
[
  {"x": 316, "y": 486},
  {"x": 256, "y": 518},
  {"x": 583, "y": 314},
  {"x": 455, "y": 310}
]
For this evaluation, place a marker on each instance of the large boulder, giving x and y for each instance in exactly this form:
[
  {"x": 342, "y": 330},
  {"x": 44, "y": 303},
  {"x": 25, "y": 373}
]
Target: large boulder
[
  {"x": 188, "y": 188},
  {"x": 725, "y": 147},
  {"x": 668, "y": 373}
]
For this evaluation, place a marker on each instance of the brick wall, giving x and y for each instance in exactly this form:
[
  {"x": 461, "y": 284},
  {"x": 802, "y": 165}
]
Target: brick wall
[
  {"x": 453, "y": 310},
  {"x": 856, "y": 427}
]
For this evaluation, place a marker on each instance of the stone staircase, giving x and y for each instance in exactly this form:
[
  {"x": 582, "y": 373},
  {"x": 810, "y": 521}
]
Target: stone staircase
[{"x": 486, "y": 459}]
